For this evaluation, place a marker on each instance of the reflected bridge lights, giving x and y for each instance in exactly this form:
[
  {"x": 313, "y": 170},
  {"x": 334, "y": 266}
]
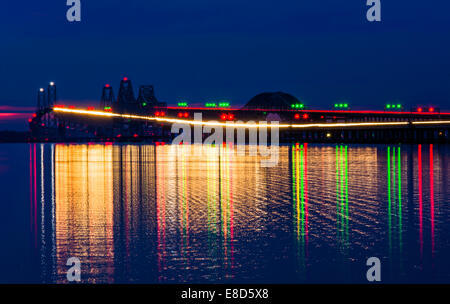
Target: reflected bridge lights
[{"x": 257, "y": 136}]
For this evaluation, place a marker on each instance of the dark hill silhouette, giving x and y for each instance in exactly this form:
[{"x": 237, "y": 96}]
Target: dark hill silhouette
[{"x": 276, "y": 100}]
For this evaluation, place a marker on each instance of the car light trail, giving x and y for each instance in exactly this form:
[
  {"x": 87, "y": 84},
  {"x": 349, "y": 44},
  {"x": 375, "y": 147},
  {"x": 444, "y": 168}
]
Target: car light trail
[
  {"x": 246, "y": 125},
  {"x": 431, "y": 122}
]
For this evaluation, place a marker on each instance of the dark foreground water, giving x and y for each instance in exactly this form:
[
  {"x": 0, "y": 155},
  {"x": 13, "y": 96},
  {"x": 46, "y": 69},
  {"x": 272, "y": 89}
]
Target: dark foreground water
[{"x": 143, "y": 213}]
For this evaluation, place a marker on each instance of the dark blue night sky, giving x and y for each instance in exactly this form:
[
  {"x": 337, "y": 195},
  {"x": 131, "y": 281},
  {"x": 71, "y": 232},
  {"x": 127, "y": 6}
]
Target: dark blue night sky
[{"x": 319, "y": 51}]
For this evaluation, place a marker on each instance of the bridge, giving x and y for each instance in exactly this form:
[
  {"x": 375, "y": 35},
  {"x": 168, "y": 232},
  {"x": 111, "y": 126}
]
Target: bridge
[{"x": 144, "y": 118}]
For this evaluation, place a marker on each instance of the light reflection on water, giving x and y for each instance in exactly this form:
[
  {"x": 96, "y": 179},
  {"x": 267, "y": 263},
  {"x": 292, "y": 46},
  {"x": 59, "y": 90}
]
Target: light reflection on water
[{"x": 144, "y": 213}]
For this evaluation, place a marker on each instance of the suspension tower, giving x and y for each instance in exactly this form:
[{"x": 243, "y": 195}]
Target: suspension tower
[
  {"x": 51, "y": 95},
  {"x": 125, "y": 98},
  {"x": 41, "y": 102},
  {"x": 107, "y": 100},
  {"x": 146, "y": 99}
]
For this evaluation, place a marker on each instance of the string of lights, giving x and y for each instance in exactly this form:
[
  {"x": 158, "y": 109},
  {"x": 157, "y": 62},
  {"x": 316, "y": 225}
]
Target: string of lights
[{"x": 248, "y": 125}]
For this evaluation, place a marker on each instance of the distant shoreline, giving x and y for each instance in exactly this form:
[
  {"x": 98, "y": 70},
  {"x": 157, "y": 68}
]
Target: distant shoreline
[{"x": 8, "y": 136}]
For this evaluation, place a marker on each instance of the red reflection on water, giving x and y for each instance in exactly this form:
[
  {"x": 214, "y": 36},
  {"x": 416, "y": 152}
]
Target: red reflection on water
[
  {"x": 432, "y": 198},
  {"x": 160, "y": 210},
  {"x": 127, "y": 202},
  {"x": 306, "y": 196},
  {"x": 231, "y": 224},
  {"x": 184, "y": 204},
  {"x": 34, "y": 197},
  {"x": 420, "y": 200},
  {"x": 231, "y": 214},
  {"x": 227, "y": 210},
  {"x": 35, "y": 194},
  {"x": 31, "y": 189}
]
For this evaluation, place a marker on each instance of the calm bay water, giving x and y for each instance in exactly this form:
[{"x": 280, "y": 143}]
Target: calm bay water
[{"x": 176, "y": 214}]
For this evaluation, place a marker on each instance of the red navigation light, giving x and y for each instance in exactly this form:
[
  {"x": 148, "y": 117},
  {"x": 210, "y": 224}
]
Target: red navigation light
[
  {"x": 163, "y": 143},
  {"x": 107, "y": 85},
  {"x": 119, "y": 135},
  {"x": 186, "y": 114},
  {"x": 34, "y": 114},
  {"x": 419, "y": 109},
  {"x": 305, "y": 116},
  {"x": 180, "y": 114},
  {"x": 91, "y": 108},
  {"x": 135, "y": 135},
  {"x": 157, "y": 114},
  {"x": 297, "y": 116},
  {"x": 30, "y": 120},
  {"x": 125, "y": 79},
  {"x": 431, "y": 110},
  {"x": 230, "y": 116},
  {"x": 71, "y": 107},
  {"x": 162, "y": 114},
  {"x": 223, "y": 116}
]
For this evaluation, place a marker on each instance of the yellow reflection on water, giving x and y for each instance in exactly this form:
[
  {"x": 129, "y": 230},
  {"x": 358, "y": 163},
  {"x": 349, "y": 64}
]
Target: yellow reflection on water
[
  {"x": 179, "y": 213},
  {"x": 84, "y": 210},
  {"x": 300, "y": 198}
]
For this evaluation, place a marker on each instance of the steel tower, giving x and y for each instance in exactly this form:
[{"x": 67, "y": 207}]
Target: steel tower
[
  {"x": 41, "y": 103},
  {"x": 125, "y": 98},
  {"x": 51, "y": 95},
  {"x": 107, "y": 97}
]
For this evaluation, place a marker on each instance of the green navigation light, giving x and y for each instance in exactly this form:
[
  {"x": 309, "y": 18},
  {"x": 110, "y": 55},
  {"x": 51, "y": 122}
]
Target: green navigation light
[
  {"x": 341, "y": 105},
  {"x": 394, "y": 106}
]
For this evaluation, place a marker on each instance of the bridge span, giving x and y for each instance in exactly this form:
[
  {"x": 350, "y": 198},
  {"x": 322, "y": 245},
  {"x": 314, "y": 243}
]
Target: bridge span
[{"x": 147, "y": 119}]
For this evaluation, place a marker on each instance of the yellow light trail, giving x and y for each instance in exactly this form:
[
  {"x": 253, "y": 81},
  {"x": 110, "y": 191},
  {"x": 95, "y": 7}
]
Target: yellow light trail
[
  {"x": 431, "y": 122},
  {"x": 246, "y": 125}
]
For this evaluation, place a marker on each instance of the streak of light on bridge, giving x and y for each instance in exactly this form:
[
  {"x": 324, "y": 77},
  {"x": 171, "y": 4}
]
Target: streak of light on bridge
[{"x": 249, "y": 125}]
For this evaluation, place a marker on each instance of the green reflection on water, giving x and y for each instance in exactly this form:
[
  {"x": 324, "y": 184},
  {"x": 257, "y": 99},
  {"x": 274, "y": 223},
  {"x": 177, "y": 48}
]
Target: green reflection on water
[
  {"x": 394, "y": 192},
  {"x": 342, "y": 196}
]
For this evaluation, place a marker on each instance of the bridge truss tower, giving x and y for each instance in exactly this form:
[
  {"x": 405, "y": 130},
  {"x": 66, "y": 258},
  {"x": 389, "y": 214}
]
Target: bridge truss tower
[
  {"x": 107, "y": 99},
  {"x": 41, "y": 100},
  {"x": 125, "y": 97},
  {"x": 51, "y": 95}
]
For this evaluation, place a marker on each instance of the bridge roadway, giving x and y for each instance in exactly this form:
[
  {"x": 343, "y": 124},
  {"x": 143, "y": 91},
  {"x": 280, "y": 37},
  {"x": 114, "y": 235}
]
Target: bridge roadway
[
  {"x": 288, "y": 115},
  {"x": 77, "y": 124}
]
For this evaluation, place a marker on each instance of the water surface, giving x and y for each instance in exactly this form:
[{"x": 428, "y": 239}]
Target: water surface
[{"x": 176, "y": 214}]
